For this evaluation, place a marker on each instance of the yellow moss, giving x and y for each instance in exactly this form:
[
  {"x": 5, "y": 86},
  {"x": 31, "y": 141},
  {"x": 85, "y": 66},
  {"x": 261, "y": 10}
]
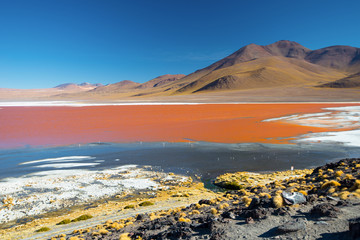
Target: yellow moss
[
  {"x": 355, "y": 194},
  {"x": 213, "y": 211},
  {"x": 129, "y": 223},
  {"x": 331, "y": 190},
  {"x": 330, "y": 170},
  {"x": 344, "y": 195},
  {"x": 357, "y": 165},
  {"x": 244, "y": 192},
  {"x": 195, "y": 212},
  {"x": 103, "y": 231},
  {"x": 235, "y": 202},
  {"x": 124, "y": 236},
  {"x": 349, "y": 176},
  {"x": 339, "y": 173},
  {"x": 265, "y": 195},
  {"x": 116, "y": 225},
  {"x": 184, "y": 220},
  {"x": 96, "y": 234},
  {"x": 73, "y": 238},
  {"x": 335, "y": 194},
  {"x": 278, "y": 201},
  {"x": 246, "y": 200},
  {"x": 303, "y": 192},
  {"x": 331, "y": 183},
  {"x": 182, "y": 214},
  {"x": 356, "y": 185}
]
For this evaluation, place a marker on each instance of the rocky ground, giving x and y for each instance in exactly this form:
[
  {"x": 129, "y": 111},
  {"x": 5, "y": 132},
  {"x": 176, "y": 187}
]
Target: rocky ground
[{"x": 331, "y": 210}]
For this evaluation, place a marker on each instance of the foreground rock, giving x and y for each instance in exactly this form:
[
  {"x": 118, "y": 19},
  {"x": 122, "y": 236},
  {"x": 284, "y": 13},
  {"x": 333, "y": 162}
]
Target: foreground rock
[{"x": 257, "y": 212}]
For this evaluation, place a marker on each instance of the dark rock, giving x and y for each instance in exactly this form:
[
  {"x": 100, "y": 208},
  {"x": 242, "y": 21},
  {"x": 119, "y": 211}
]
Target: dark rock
[
  {"x": 230, "y": 215},
  {"x": 342, "y": 203},
  {"x": 354, "y": 228},
  {"x": 324, "y": 210},
  {"x": 260, "y": 203},
  {"x": 292, "y": 226},
  {"x": 254, "y": 203},
  {"x": 281, "y": 212},
  {"x": 259, "y": 213},
  {"x": 142, "y": 217},
  {"x": 311, "y": 198},
  {"x": 205, "y": 201},
  {"x": 348, "y": 183},
  {"x": 180, "y": 230}
]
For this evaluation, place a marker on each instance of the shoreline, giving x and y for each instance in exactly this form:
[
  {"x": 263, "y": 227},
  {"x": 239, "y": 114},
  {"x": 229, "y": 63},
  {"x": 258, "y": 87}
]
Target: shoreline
[
  {"x": 251, "y": 212},
  {"x": 85, "y": 103}
]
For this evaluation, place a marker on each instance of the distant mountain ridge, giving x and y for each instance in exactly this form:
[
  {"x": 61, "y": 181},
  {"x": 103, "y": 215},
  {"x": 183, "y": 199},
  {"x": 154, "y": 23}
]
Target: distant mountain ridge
[
  {"x": 74, "y": 85},
  {"x": 281, "y": 65}
]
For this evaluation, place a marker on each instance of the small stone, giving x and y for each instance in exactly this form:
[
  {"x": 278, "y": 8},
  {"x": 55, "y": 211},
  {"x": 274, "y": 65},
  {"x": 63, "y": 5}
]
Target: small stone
[
  {"x": 321, "y": 223},
  {"x": 249, "y": 220}
]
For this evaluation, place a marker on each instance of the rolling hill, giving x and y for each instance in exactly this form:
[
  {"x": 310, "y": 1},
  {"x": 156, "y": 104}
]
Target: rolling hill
[
  {"x": 280, "y": 70},
  {"x": 352, "y": 81}
]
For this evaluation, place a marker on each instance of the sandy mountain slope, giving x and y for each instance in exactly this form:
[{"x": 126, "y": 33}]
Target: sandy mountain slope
[{"x": 352, "y": 81}]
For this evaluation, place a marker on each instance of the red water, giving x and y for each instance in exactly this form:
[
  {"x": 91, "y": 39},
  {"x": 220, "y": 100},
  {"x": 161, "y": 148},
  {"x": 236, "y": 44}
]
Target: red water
[{"x": 227, "y": 123}]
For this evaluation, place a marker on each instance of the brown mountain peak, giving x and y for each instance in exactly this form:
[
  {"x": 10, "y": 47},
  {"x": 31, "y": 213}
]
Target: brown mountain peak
[{"x": 287, "y": 48}]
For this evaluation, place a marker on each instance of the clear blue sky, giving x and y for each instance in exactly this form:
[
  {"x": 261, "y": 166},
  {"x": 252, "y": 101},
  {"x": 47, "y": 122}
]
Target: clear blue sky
[{"x": 47, "y": 42}]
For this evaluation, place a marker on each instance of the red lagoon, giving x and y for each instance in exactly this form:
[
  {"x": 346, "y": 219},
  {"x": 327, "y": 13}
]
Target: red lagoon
[{"x": 226, "y": 123}]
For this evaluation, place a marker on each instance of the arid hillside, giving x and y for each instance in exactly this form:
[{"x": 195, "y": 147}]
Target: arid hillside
[{"x": 282, "y": 71}]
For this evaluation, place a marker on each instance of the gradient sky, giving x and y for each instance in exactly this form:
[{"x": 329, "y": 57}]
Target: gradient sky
[{"x": 44, "y": 43}]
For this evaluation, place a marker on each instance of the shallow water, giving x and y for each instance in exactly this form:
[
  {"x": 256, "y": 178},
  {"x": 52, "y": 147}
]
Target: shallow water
[{"x": 202, "y": 158}]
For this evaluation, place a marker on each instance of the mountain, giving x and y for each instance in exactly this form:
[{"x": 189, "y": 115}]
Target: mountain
[
  {"x": 352, "y": 81},
  {"x": 254, "y": 66},
  {"x": 124, "y": 85},
  {"x": 339, "y": 57},
  {"x": 82, "y": 86},
  {"x": 274, "y": 72},
  {"x": 161, "y": 80},
  {"x": 40, "y": 94},
  {"x": 128, "y": 87}
]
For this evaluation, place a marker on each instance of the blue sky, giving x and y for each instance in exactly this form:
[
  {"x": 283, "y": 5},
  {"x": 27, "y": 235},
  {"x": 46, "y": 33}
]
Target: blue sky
[{"x": 44, "y": 43}]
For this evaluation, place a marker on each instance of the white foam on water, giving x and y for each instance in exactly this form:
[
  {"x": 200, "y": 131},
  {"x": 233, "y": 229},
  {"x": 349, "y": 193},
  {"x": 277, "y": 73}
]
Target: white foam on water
[
  {"x": 67, "y": 165},
  {"x": 60, "y": 159}
]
